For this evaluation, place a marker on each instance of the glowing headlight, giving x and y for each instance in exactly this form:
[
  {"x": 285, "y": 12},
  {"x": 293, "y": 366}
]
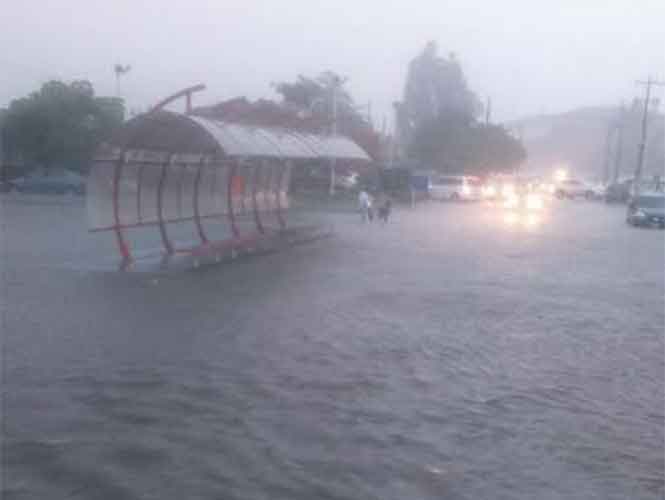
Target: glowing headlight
[
  {"x": 534, "y": 202},
  {"x": 511, "y": 201},
  {"x": 508, "y": 190},
  {"x": 532, "y": 220},
  {"x": 489, "y": 191},
  {"x": 560, "y": 174},
  {"x": 466, "y": 190},
  {"x": 510, "y": 218}
]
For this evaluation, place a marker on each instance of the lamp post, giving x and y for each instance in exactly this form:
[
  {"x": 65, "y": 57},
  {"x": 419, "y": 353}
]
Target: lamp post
[{"x": 120, "y": 70}]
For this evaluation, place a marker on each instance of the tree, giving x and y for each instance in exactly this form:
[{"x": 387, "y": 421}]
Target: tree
[
  {"x": 437, "y": 121},
  {"x": 435, "y": 86},
  {"x": 61, "y": 124},
  {"x": 493, "y": 149},
  {"x": 443, "y": 141},
  {"x": 312, "y": 99}
]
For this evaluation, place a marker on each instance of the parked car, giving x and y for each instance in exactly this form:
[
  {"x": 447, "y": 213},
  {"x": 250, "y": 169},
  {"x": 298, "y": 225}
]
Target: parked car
[
  {"x": 646, "y": 210},
  {"x": 619, "y": 192},
  {"x": 64, "y": 183},
  {"x": 348, "y": 181},
  {"x": 454, "y": 187},
  {"x": 598, "y": 191},
  {"x": 573, "y": 188}
]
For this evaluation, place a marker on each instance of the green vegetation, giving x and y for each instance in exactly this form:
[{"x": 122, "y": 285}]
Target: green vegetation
[
  {"x": 438, "y": 125},
  {"x": 60, "y": 125},
  {"x": 323, "y": 99}
]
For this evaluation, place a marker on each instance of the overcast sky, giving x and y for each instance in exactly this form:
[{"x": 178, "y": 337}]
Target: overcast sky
[{"x": 531, "y": 56}]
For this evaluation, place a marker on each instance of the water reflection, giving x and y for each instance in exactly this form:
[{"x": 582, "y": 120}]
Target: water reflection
[{"x": 528, "y": 220}]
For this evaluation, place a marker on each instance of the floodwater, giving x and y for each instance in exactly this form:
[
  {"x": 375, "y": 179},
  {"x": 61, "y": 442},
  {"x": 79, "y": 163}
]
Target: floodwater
[{"x": 454, "y": 353}]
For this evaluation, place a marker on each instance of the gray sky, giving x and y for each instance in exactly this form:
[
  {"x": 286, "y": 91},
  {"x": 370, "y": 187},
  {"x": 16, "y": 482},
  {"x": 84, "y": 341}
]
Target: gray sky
[{"x": 529, "y": 55}]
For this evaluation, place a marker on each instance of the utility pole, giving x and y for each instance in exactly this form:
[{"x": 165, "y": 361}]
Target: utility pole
[
  {"x": 336, "y": 83},
  {"x": 643, "y": 139},
  {"x": 611, "y": 128},
  {"x": 618, "y": 158},
  {"x": 395, "y": 143},
  {"x": 488, "y": 110},
  {"x": 119, "y": 71}
]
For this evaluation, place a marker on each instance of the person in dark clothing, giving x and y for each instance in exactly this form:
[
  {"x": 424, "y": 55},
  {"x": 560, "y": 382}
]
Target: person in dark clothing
[{"x": 384, "y": 210}]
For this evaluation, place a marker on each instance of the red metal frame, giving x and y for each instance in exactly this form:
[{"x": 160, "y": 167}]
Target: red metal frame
[
  {"x": 229, "y": 198},
  {"x": 148, "y": 224},
  {"x": 214, "y": 185},
  {"x": 139, "y": 181},
  {"x": 243, "y": 205},
  {"x": 269, "y": 183},
  {"x": 166, "y": 242},
  {"x": 178, "y": 198},
  {"x": 123, "y": 247},
  {"x": 238, "y": 240},
  {"x": 197, "y": 215},
  {"x": 279, "y": 210},
  {"x": 255, "y": 208},
  {"x": 183, "y": 93}
]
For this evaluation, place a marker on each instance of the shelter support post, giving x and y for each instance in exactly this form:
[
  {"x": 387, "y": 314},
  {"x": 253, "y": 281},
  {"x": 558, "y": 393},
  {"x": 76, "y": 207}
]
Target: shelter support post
[
  {"x": 139, "y": 185},
  {"x": 123, "y": 247},
  {"x": 233, "y": 168},
  {"x": 284, "y": 173},
  {"x": 255, "y": 185},
  {"x": 166, "y": 242},
  {"x": 197, "y": 210}
]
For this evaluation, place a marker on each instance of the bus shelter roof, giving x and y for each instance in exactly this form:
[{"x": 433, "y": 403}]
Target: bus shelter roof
[{"x": 181, "y": 133}]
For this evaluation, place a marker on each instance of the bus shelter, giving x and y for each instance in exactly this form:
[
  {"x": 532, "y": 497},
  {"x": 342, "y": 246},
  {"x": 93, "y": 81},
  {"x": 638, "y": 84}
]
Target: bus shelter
[{"x": 164, "y": 169}]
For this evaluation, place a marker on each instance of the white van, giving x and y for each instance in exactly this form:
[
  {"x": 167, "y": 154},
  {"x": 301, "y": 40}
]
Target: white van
[{"x": 454, "y": 187}]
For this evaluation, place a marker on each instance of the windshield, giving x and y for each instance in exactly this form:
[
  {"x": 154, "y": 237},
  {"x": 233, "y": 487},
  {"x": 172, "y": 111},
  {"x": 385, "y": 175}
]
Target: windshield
[{"x": 332, "y": 250}]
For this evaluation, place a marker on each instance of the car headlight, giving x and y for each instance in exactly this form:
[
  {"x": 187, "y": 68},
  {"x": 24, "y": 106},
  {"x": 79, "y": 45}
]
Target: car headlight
[
  {"x": 466, "y": 190},
  {"x": 489, "y": 191},
  {"x": 511, "y": 201},
  {"x": 508, "y": 190},
  {"x": 640, "y": 214},
  {"x": 534, "y": 202}
]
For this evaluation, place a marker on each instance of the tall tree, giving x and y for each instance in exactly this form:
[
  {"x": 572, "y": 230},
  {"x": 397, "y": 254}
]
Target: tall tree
[
  {"x": 493, "y": 149},
  {"x": 437, "y": 120},
  {"x": 313, "y": 99},
  {"x": 61, "y": 124},
  {"x": 435, "y": 86}
]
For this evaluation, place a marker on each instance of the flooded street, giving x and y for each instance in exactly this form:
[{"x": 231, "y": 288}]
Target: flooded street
[{"x": 453, "y": 353}]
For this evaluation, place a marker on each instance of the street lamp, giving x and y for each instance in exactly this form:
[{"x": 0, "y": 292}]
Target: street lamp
[{"x": 120, "y": 70}]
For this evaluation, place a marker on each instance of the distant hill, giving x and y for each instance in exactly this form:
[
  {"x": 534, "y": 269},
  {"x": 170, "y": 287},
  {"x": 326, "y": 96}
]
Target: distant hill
[{"x": 578, "y": 139}]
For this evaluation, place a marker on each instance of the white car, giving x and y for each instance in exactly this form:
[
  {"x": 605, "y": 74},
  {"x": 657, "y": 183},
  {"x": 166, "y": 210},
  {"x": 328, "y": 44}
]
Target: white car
[
  {"x": 454, "y": 187},
  {"x": 349, "y": 181},
  {"x": 573, "y": 188}
]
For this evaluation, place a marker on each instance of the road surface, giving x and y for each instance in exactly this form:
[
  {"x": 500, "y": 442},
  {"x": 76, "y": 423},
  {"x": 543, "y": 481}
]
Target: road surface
[{"x": 454, "y": 353}]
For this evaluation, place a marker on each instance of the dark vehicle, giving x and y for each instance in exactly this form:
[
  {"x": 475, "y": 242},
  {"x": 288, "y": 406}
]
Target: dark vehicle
[
  {"x": 572, "y": 188},
  {"x": 65, "y": 183},
  {"x": 647, "y": 210},
  {"x": 618, "y": 192}
]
